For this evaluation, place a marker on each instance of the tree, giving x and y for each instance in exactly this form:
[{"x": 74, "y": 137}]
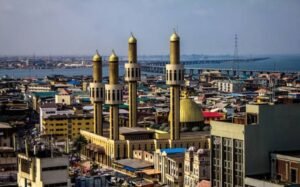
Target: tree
[{"x": 79, "y": 143}]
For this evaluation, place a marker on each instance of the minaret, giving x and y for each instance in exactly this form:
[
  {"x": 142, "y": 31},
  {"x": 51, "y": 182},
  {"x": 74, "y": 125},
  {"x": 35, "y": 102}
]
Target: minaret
[
  {"x": 113, "y": 96},
  {"x": 97, "y": 93},
  {"x": 174, "y": 78},
  {"x": 132, "y": 75}
]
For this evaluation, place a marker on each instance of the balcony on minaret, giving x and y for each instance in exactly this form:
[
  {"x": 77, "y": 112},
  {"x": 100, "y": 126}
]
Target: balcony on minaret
[
  {"x": 97, "y": 92},
  {"x": 113, "y": 94},
  {"x": 132, "y": 72},
  {"x": 174, "y": 74}
]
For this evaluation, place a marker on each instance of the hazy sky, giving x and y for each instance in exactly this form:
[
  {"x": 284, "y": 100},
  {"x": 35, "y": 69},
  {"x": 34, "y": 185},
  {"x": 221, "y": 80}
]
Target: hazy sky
[{"x": 78, "y": 27}]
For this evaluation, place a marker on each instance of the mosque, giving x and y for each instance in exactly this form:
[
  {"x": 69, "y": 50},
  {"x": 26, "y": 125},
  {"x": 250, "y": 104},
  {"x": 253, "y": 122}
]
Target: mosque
[{"x": 121, "y": 141}]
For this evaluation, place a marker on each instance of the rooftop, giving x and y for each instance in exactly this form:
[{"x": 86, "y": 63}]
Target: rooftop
[
  {"x": 4, "y": 125},
  {"x": 173, "y": 150},
  {"x": 134, "y": 130},
  {"x": 134, "y": 164}
]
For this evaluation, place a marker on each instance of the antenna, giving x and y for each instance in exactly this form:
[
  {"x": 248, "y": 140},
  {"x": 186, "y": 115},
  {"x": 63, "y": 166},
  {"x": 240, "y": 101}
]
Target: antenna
[{"x": 235, "y": 54}]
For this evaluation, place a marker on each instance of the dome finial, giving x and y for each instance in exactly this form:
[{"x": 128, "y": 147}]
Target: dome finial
[
  {"x": 113, "y": 57},
  {"x": 97, "y": 57},
  {"x": 132, "y": 39},
  {"x": 174, "y": 37}
]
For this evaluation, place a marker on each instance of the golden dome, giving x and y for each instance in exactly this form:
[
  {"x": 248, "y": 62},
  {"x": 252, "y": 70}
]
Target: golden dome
[
  {"x": 174, "y": 37},
  {"x": 113, "y": 57},
  {"x": 132, "y": 39},
  {"x": 97, "y": 57},
  {"x": 189, "y": 111}
]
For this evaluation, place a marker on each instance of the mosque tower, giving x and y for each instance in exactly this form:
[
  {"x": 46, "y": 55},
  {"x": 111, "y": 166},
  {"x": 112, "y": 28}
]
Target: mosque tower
[
  {"x": 113, "y": 96},
  {"x": 174, "y": 78},
  {"x": 97, "y": 93},
  {"x": 132, "y": 75}
]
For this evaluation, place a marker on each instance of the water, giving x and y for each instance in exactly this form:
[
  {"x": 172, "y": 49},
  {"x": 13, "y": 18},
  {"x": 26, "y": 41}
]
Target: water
[{"x": 283, "y": 62}]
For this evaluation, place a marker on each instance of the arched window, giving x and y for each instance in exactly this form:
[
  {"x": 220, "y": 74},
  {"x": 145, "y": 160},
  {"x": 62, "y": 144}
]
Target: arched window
[
  {"x": 118, "y": 94},
  {"x": 113, "y": 95},
  {"x": 175, "y": 77},
  {"x": 97, "y": 92},
  {"x": 132, "y": 72}
]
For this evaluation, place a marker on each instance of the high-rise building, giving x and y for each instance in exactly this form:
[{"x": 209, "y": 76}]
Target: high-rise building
[{"x": 241, "y": 150}]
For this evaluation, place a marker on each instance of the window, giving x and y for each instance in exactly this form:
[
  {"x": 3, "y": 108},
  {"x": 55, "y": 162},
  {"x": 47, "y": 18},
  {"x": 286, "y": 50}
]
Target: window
[
  {"x": 118, "y": 95},
  {"x": 174, "y": 75},
  {"x": 293, "y": 175},
  {"x": 252, "y": 118},
  {"x": 97, "y": 92},
  {"x": 180, "y": 75},
  {"x": 113, "y": 95},
  {"x": 101, "y": 93},
  {"x": 54, "y": 168},
  {"x": 167, "y": 75},
  {"x": 132, "y": 72},
  {"x": 108, "y": 95}
]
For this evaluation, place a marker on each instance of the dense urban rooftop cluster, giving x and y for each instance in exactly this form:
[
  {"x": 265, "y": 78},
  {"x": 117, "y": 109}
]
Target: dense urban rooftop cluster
[{"x": 208, "y": 129}]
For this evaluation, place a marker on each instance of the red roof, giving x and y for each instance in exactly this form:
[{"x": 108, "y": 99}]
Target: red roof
[{"x": 207, "y": 114}]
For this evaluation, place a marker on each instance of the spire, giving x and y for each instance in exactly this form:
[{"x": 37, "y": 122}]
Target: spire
[
  {"x": 132, "y": 39},
  {"x": 113, "y": 57},
  {"x": 96, "y": 57},
  {"x": 174, "y": 37}
]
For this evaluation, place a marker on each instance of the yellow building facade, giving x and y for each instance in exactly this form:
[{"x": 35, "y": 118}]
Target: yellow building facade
[{"x": 67, "y": 126}]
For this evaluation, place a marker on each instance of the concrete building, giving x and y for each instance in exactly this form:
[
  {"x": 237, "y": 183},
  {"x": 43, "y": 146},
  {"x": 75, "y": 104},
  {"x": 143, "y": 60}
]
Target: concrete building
[
  {"x": 64, "y": 97},
  {"x": 242, "y": 149},
  {"x": 170, "y": 163},
  {"x": 63, "y": 127},
  {"x": 53, "y": 109},
  {"x": 286, "y": 167},
  {"x": 42, "y": 170},
  {"x": 196, "y": 166},
  {"x": 230, "y": 86}
]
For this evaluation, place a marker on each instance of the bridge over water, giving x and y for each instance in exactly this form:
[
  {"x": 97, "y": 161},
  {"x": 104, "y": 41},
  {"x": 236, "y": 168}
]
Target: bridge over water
[{"x": 225, "y": 71}]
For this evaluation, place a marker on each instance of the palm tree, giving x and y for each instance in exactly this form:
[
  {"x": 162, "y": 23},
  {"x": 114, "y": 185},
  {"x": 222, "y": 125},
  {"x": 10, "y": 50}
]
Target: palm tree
[{"x": 79, "y": 143}]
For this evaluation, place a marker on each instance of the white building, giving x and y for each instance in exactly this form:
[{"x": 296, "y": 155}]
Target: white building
[{"x": 230, "y": 86}]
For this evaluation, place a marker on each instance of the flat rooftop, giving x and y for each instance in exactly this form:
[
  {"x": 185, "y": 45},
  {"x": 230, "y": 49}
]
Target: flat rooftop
[
  {"x": 134, "y": 163},
  {"x": 134, "y": 130}
]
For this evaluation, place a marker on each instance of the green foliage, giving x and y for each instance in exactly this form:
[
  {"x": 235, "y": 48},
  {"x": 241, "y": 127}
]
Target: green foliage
[{"x": 79, "y": 143}]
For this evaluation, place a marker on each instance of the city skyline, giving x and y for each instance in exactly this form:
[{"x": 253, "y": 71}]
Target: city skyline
[{"x": 206, "y": 27}]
